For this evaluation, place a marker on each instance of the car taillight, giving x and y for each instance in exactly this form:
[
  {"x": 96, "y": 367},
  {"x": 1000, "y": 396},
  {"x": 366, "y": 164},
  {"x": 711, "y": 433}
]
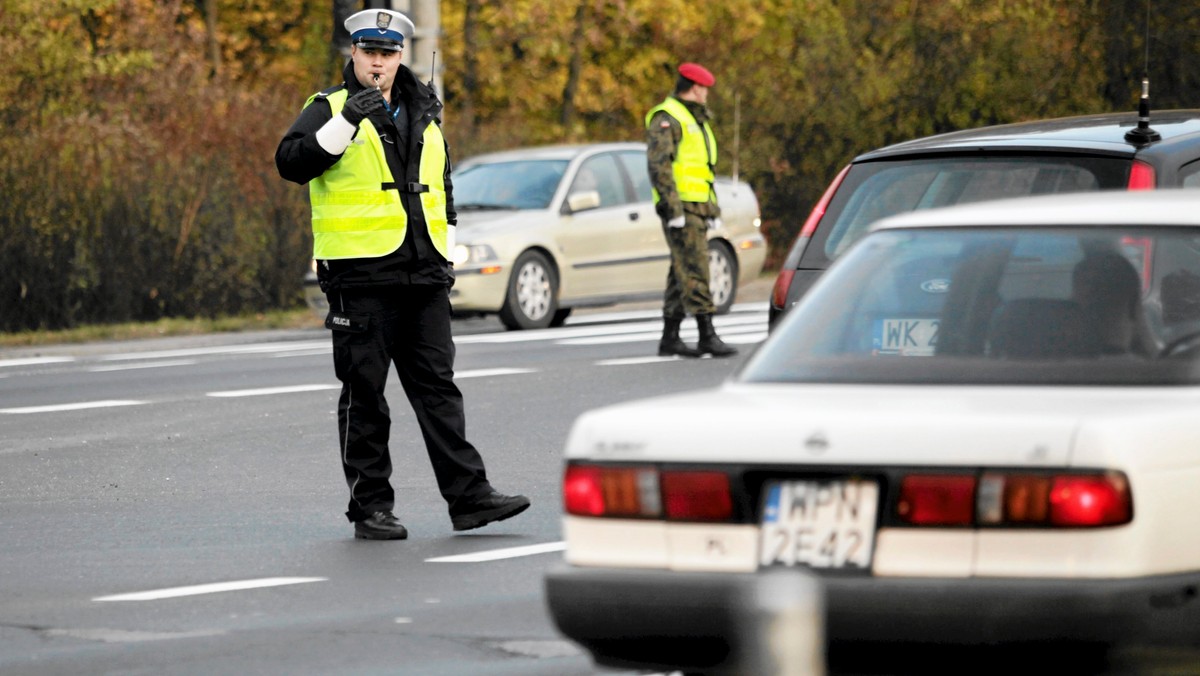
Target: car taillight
[
  {"x": 1014, "y": 499},
  {"x": 611, "y": 491},
  {"x": 1053, "y": 500},
  {"x": 1090, "y": 501},
  {"x": 818, "y": 212},
  {"x": 1141, "y": 176},
  {"x": 624, "y": 492},
  {"x": 582, "y": 494},
  {"x": 1140, "y": 251},
  {"x": 697, "y": 496},
  {"x": 937, "y": 500},
  {"x": 783, "y": 282},
  {"x": 787, "y": 272}
]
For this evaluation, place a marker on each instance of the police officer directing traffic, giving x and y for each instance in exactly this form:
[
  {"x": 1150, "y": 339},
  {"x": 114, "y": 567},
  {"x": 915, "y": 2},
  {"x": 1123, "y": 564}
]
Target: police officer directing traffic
[
  {"x": 682, "y": 154},
  {"x": 372, "y": 153}
]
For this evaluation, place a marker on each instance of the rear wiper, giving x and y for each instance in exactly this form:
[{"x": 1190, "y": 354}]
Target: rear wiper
[{"x": 480, "y": 206}]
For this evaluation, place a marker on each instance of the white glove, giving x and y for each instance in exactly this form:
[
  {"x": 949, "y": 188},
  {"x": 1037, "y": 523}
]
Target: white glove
[
  {"x": 714, "y": 223},
  {"x": 677, "y": 222}
]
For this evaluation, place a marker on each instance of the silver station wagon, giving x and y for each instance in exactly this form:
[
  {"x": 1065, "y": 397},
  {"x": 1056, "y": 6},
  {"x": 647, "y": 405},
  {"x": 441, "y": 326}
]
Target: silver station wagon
[{"x": 544, "y": 230}]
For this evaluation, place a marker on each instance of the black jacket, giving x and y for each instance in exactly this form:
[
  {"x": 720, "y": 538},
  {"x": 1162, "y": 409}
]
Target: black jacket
[{"x": 299, "y": 158}]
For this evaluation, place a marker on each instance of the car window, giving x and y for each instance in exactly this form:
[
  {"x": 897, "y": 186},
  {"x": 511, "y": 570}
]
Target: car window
[
  {"x": 601, "y": 174},
  {"x": 635, "y": 168},
  {"x": 1052, "y": 305},
  {"x": 520, "y": 184},
  {"x": 874, "y": 190},
  {"x": 1189, "y": 175}
]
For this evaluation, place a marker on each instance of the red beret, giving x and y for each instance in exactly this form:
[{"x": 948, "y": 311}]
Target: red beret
[{"x": 697, "y": 73}]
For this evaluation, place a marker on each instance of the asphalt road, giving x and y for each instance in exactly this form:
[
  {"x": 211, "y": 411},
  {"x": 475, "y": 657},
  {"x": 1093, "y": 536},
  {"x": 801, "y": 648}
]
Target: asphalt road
[{"x": 175, "y": 506}]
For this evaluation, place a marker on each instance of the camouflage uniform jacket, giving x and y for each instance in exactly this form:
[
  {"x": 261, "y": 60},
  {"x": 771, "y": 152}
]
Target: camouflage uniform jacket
[{"x": 662, "y": 137}]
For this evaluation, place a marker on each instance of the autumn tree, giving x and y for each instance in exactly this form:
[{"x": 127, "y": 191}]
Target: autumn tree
[
  {"x": 818, "y": 81},
  {"x": 137, "y": 177}
]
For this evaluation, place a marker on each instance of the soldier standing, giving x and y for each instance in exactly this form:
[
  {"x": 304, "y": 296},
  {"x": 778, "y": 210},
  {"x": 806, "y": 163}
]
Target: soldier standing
[
  {"x": 682, "y": 154},
  {"x": 372, "y": 152}
]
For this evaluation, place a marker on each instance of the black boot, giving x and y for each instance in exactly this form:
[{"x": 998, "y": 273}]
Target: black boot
[
  {"x": 492, "y": 507},
  {"x": 710, "y": 343},
  {"x": 671, "y": 343},
  {"x": 380, "y": 526}
]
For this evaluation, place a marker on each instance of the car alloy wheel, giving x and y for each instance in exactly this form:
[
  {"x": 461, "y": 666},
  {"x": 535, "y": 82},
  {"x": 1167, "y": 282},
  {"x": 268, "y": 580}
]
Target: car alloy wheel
[
  {"x": 532, "y": 294},
  {"x": 722, "y": 277},
  {"x": 533, "y": 291}
]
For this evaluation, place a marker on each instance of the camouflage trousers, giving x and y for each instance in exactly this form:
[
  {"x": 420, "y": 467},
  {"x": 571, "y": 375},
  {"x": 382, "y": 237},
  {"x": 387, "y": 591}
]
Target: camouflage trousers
[{"x": 687, "y": 281}]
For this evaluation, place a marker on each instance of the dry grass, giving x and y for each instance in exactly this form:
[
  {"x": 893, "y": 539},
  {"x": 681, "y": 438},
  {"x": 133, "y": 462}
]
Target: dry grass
[{"x": 290, "y": 319}]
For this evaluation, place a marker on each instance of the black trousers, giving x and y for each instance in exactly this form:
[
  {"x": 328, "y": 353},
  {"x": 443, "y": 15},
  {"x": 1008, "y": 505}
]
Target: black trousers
[{"x": 407, "y": 326}]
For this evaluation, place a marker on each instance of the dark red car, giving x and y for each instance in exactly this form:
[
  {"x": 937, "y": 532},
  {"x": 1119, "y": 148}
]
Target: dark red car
[{"x": 1075, "y": 154}]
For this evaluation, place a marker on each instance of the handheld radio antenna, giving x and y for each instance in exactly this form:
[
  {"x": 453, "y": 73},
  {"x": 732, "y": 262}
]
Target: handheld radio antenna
[{"x": 432, "y": 71}]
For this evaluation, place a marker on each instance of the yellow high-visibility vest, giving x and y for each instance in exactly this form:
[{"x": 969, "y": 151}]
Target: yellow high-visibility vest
[
  {"x": 353, "y": 216},
  {"x": 694, "y": 159}
]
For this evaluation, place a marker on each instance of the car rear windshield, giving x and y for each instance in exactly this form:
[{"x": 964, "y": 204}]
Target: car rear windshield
[
  {"x": 521, "y": 184},
  {"x": 874, "y": 190},
  {"x": 1013, "y": 305}
]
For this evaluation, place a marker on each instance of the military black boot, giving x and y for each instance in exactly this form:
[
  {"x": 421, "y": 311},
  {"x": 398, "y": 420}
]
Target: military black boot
[
  {"x": 710, "y": 343},
  {"x": 671, "y": 343},
  {"x": 380, "y": 526}
]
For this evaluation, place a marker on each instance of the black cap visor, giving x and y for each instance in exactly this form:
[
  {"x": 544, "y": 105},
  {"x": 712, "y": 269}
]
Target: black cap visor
[{"x": 385, "y": 45}]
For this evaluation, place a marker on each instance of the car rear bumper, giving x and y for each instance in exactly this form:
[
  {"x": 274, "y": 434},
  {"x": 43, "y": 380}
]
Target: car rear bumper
[
  {"x": 635, "y": 618},
  {"x": 630, "y": 617}
]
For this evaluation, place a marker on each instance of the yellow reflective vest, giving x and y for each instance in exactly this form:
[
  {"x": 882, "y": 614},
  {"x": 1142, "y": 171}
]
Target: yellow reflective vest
[
  {"x": 354, "y": 216},
  {"x": 694, "y": 158}
]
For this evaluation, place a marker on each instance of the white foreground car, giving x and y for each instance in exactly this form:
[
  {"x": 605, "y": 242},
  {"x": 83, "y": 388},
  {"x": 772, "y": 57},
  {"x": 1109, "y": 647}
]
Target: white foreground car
[{"x": 981, "y": 426}]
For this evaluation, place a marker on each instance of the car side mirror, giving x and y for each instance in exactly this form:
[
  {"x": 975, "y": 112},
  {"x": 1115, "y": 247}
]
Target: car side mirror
[{"x": 582, "y": 201}]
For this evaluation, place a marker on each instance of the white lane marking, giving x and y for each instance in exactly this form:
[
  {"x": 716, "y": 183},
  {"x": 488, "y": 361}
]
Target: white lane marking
[
  {"x": 607, "y": 317},
  {"x": 634, "y": 361},
  {"x": 302, "y": 353},
  {"x": 759, "y": 306},
  {"x": 496, "y": 554},
  {"x": 483, "y": 373},
  {"x": 604, "y": 317},
  {"x": 729, "y": 333},
  {"x": 746, "y": 338},
  {"x": 197, "y": 589},
  {"x": 56, "y": 408},
  {"x": 288, "y": 346},
  {"x": 555, "y": 334},
  {"x": 33, "y": 361},
  {"x": 150, "y": 365},
  {"x": 124, "y": 636},
  {"x": 560, "y": 334},
  {"x": 273, "y": 390}
]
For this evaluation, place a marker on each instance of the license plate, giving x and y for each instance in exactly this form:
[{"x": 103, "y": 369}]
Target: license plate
[
  {"x": 820, "y": 524},
  {"x": 910, "y": 337}
]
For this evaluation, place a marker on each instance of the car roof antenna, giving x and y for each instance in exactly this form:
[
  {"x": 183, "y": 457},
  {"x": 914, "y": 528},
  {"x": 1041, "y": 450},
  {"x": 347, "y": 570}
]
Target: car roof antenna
[{"x": 1143, "y": 134}]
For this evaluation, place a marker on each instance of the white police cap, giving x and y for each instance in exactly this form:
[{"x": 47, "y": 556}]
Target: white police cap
[{"x": 379, "y": 29}]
